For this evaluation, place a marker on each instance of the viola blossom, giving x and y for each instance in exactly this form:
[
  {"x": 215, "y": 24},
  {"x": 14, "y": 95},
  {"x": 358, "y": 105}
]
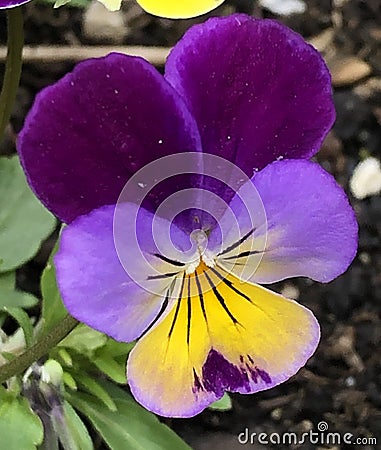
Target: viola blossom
[{"x": 178, "y": 267}]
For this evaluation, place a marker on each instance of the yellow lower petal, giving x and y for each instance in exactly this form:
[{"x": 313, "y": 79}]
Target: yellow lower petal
[
  {"x": 175, "y": 9},
  {"x": 220, "y": 335}
]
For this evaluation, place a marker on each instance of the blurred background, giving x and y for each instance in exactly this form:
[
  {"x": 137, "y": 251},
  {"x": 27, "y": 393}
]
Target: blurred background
[{"x": 341, "y": 384}]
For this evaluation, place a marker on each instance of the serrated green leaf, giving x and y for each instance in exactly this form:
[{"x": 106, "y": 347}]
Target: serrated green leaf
[
  {"x": 130, "y": 427},
  {"x": 10, "y": 297},
  {"x": 24, "y": 221},
  {"x": 23, "y": 320},
  {"x": 84, "y": 340},
  {"x": 111, "y": 368},
  {"x": 71, "y": 431},
  {"x": 53, "y": 309},
  {"x": 94, "y": 388},
  {"x": 20, "y": 428},
  {"x": 223, "y": 404}
]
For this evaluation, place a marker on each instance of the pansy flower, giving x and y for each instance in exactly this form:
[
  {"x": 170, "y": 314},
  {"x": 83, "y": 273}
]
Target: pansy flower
[{"x": 178, "y": 265}]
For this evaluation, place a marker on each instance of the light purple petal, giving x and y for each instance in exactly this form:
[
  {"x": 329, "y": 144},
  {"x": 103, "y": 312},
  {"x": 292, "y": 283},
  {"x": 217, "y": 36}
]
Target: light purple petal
[
  {"x": 95, "y": 287},
  {"x": 257, "y": 90},
  {"x": 311, "y": 227},
  {"x": 88, "y": 133}
]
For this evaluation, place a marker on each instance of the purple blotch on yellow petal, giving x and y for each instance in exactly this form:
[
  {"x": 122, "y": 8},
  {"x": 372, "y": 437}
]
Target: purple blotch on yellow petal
[{"x": 219, "y": 375}]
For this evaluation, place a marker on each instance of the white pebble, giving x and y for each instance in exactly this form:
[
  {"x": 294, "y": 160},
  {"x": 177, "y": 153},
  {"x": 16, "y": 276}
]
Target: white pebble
[
  {"x": 366, "y": 178},
  {"x": 284, "y": 7}
]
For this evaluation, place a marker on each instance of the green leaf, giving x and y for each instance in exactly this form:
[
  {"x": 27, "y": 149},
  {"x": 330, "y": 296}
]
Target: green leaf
[
  {"x": 20, "y": 428},
  {"x": 90, "y": 385},
  {"x": 71, "y": 3},
  {"x": 53, "y": 310},
  {"x": 84, "y": 340},
  {"x": 9, "y": 297},
  {"x": 65, "y": 356},
  {"x": 111, "y": 359},
  {"x": 59, "y": 3},
  {"x": 24, "y": 221},
  {"x": 114, "y": 348},
  {"x": 8, "y": 356},
  {"x": 69, "y": 381},
  {"x": 223, "y": 404},
  {"x": 71, "y": 431},
  {"x": 111, "y": 368},
  {"x": 23, "y": 320},
  {"x": 130, "y": 427},
  {"x": 8, "y": 280}
]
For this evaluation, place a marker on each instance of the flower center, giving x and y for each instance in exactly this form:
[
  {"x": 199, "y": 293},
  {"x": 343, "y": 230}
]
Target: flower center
[{"x": 204, "y": 258}]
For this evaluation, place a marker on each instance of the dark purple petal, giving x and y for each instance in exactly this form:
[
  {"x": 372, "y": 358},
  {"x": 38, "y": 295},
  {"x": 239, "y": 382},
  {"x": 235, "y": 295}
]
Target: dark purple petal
[
  {"x": 11, "y": 3},
  {"x": 311, "y": 229},
  {"x": 88, "y": 133},
  {"x": 257, "y": 90}
]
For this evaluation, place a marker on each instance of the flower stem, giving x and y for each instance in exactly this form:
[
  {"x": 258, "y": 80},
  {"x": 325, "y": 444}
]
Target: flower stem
[
  {"x": 39, "y": 349},
  {"x": 12, "y": 66}
]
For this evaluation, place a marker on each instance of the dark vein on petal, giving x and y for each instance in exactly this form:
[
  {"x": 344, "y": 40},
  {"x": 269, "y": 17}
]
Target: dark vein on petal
[
  {"x": 159, "y": 314},
  {"x": 243, "y": 254},
  {"x": 221, "y": 299},
  {"x": 229, "y": 284},
  {"x": 189, "y": 310},
  {"x": 163, "y": 275},
  {"x": 201, "y": 297},
  {"x": 169, "y": 260},
  {"x": 177, "y": 307},
  {"x": 238, "y": 243}
]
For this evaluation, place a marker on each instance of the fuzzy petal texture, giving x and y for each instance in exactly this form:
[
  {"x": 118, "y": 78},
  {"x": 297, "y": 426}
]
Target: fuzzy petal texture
[
  {"x": 257, "y": 90},
  {"x": 95, "y": 286},
  {"x": 174, "y": 9},
  {"x": 221, "y": 335},
  {"x": 87, "y": 134},
  {"x": 311, "y": 229}
]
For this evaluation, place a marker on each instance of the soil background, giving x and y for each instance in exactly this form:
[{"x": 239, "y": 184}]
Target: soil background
[{"x": 341, "y": 384}]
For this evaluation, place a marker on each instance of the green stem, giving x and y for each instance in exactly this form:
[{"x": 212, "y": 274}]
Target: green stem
[
  {"x": 39, "y": 349},
  {"x": 12, "y": 66}
]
